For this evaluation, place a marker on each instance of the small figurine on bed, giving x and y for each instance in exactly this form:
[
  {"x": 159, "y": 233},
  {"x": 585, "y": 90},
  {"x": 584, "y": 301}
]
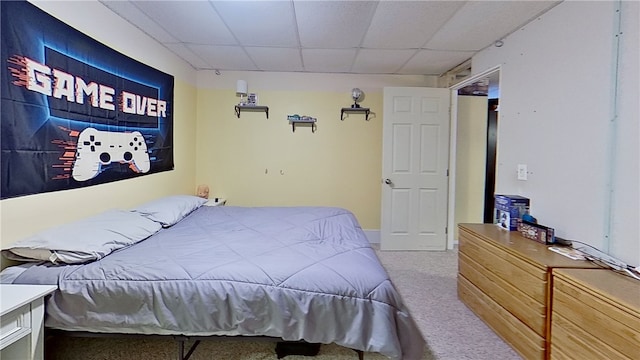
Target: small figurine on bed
[{"x": 203, "y": 191}]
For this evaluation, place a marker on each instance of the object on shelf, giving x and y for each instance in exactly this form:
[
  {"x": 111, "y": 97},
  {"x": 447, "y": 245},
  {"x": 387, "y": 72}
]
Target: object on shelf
[
  {"x": 252, "y": 99},
  {"x": 356, "y": 95},
  {"x": 241, "y": 89},
  {"x": 240, "y": 108}
]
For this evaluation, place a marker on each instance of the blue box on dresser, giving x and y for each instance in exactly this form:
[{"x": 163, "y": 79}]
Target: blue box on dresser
[{"x": 508, "y": 209}]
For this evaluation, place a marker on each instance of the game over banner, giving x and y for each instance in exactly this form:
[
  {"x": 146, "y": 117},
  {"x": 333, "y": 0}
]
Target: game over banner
[{"x": 75, "y": 112}]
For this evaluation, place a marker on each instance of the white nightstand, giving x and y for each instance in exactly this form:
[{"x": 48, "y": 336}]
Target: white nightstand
[
  {"x": 213, "y": 202},
  {"x": 22, "y": 319}
]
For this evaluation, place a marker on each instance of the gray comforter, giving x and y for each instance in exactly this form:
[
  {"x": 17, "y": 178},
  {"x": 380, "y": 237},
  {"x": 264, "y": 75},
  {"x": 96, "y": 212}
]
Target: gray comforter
[{"x": 297, "y": 273}]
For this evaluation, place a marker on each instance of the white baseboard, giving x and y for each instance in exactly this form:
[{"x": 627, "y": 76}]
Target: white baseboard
[{"x": 373, "y": 236}]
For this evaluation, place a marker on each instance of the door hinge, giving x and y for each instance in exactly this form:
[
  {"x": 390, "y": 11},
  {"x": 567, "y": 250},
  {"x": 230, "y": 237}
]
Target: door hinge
[
  {"x": 446, "y": 229},
  {"x": 447, "y": 172}
]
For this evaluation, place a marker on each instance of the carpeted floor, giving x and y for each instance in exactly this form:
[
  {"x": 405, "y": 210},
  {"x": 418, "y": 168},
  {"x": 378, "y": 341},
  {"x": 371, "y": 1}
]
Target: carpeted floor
[
  {"x": 67, "y": 348},
  {"x": 425, "y": 280}
]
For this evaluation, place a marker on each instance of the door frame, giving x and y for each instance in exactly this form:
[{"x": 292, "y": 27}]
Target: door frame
[{"x": 452, "y": 145}]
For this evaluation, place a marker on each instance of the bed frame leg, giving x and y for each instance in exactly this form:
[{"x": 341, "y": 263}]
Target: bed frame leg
[
  {"x": 180, "y": 349},
  {"x": 181, "y": 355},
  {"x": 360, "y": 354}
]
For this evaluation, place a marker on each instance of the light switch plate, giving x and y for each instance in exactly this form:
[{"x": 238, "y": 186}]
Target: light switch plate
[{"x": 522, "y": 172}]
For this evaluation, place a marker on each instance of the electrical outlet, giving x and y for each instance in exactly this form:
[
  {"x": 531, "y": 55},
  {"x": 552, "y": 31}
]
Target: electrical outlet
[{"x": 522, "y": 172}]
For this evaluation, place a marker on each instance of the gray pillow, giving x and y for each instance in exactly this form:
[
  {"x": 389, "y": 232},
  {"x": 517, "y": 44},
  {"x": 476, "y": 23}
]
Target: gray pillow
[
  {"x": 171, "y": 209},
  {"x": 84, "y": 240}
]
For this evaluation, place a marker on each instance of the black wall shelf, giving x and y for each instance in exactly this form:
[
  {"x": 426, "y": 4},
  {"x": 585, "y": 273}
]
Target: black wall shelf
[
  {"x": 251, "y": 108},
  {"x": 294, "y": 122},
  {"x": 366, "y": 112}
]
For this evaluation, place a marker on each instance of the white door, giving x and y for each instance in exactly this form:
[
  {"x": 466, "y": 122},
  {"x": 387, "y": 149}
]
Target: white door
[{"x": 415, "y": 158}]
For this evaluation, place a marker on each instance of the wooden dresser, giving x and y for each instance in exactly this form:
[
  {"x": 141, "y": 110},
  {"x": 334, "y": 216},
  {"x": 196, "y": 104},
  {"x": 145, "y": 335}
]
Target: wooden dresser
[
  {"x": 596, "y": 315},
  {"x": 506, "y": 280}
]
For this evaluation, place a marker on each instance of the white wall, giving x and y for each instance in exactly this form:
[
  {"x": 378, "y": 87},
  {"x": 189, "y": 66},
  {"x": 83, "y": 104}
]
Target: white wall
[
  {"x": 559, "y": 94},
  {"x": 25, "y": 215}
]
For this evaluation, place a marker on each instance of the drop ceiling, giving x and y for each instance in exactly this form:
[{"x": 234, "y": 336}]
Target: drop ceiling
[{"x": 356, "y": 37}]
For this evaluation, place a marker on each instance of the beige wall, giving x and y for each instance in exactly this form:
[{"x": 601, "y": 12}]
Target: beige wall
[
  {"x": 25, "y": 215},
  {"x": 253, "y": 161},
  {"x": 471, "y": 145}
]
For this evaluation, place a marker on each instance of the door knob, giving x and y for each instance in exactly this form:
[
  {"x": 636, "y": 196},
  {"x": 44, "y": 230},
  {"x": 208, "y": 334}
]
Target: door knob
[{"x": 388, "y": 181}]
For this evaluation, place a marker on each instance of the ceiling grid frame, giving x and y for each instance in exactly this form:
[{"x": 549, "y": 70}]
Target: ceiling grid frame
[{"x": 245, "y": 35}]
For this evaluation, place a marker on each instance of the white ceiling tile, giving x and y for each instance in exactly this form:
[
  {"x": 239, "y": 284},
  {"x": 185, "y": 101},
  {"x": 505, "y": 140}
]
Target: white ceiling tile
[
  {"x": 479, "y": 23},
  {"x": 328, "y": 60},
  {"x": 333, "y": 24},
  {"x": 370, "y": 61},
  {"x": 260, "y": 23},
  {"x": 189, "y": 56},
  {"x": 194, "y": 22},
  {"x": 432, "y": 62},
  {"x": 329, "y": 36},
  {"x": 224, "y": 57},
  {"x": 275, "y": 59},
  {"x": 131, "y": 13},
  {"x": 408, "y": 25}
]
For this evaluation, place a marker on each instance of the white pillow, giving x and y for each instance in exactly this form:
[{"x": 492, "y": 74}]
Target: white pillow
[
  {"x": 171, "y": 209},
  {"x": 84, "y": 240}
]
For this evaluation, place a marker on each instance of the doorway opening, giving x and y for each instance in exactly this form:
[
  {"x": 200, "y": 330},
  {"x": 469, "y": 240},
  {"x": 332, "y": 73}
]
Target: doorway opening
[
  {"x": 482, "y": 210},
  {"x": 490, "y": 169}
]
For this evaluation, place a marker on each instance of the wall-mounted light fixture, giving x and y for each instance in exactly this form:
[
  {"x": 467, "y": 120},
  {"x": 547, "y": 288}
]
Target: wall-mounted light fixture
[
  {"x": 241, "y": 89},
  {"x": 356, "y": 94}
]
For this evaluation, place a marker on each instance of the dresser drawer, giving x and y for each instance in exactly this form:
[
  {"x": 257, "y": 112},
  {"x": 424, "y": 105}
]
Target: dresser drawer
[
  {"x": 528, "y": 278},
  {"x": 524, "y": 340},
  {"x": 531, "y": 312},
  {"x": 603, "y": 324},
  {"x": 15, "y": 325},
  {"x": 569, "y": 341},
  {"x": 558, "y": 354}
]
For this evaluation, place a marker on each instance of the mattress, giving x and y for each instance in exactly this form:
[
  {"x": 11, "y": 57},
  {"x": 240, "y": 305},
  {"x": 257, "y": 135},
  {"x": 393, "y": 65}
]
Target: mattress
[{"x": 296, "y": 273}]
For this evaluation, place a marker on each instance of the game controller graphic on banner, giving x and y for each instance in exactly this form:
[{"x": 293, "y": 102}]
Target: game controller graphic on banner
[{"x": 97, "y": 149}]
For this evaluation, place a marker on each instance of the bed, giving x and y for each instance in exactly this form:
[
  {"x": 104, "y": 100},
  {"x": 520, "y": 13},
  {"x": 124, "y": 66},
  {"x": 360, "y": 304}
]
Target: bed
[{"x": 291, "y": 273}]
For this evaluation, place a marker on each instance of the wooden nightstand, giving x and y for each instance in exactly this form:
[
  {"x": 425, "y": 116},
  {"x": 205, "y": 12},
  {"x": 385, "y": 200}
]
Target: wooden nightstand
[{"x": 22, "y": 318}]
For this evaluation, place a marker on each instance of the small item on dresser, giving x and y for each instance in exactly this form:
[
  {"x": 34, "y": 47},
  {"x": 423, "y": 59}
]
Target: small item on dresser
[
  {"x": 508, "y": 209},
  {"x": 540, "y": 233},
  {"x": 571, "y": 253}
]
